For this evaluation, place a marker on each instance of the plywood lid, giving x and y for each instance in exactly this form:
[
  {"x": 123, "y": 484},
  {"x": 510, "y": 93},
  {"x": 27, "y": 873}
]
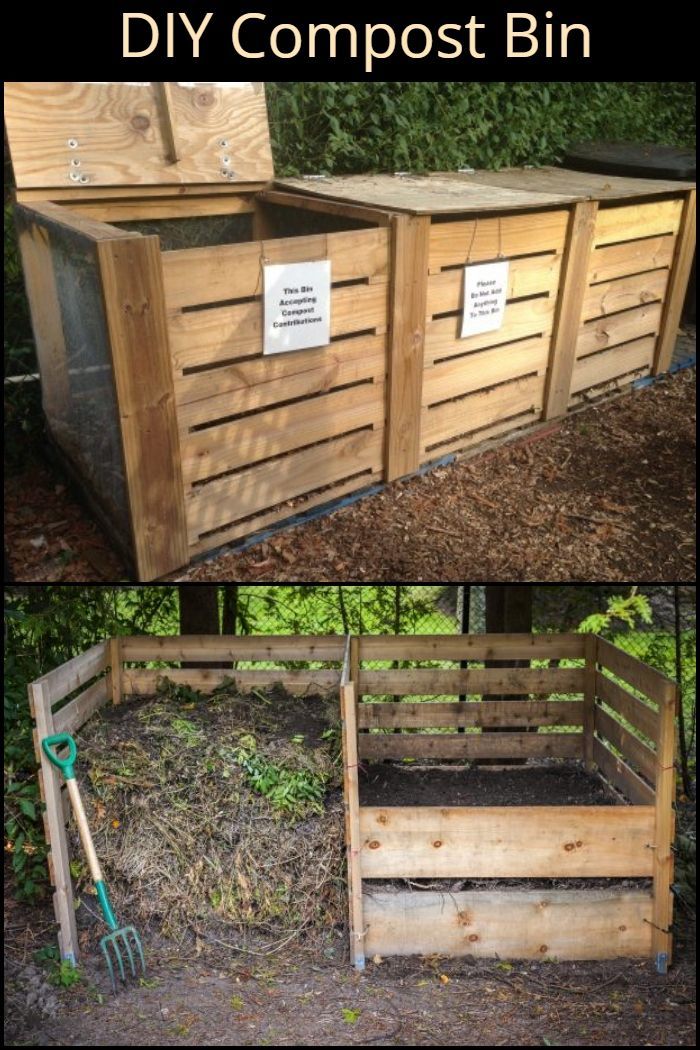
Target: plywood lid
[
  {"x": 79, "y": 135},
  {"x": 461, "y": 192}
]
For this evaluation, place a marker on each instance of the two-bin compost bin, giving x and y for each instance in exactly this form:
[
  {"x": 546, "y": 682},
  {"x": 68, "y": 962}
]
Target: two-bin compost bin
[{"x": 203, "y": 384}]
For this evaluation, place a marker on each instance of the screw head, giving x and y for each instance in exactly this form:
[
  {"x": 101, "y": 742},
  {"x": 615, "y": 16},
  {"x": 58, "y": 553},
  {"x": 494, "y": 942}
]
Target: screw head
[
  {"x": 72, "y": 143},
  {"x": 83, "y": 178},
  {"x": 75, "y": 163},
  {"x": 74, "y": 176},
  {"x": 223, "y": 143}
]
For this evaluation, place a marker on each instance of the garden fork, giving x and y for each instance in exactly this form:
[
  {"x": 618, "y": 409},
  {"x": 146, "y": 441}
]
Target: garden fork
[{"x": 124, "y": 938}]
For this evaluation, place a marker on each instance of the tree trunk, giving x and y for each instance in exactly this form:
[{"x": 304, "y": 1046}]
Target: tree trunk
[
  {"x": 199, "y": 611},
  {"x": 508, "y": 611}
]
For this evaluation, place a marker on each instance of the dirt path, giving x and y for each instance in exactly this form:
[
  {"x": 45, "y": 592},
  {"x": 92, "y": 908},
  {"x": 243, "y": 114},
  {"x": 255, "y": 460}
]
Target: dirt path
[{"x": 606, "y": 494}]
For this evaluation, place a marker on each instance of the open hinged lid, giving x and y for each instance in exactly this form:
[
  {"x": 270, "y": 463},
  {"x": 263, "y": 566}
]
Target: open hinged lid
[
  {"x": 463, "y": 192},
  {"x": 90, "y": 135}
]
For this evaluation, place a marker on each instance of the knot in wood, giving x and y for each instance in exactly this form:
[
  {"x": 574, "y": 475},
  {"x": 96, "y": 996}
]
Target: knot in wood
[
  {"x": 374, "y": 844},
  {"x": 140, "y": 122}
]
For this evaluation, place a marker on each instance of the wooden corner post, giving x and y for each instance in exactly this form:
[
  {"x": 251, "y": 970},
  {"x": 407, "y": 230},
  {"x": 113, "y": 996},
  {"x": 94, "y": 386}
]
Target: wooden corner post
[
  {"x": 589, "y": 696},
  {"x": 411, "y": 238},
  {"x": 348, "y": 714},
  {"x": 662, "y": 915},
  {"x": 132, "y": 283},
  {"x": 54, "y": 826},
  {"x": 678, "y": 282},
  {"x": 569, "y": 310},
  {"x": 115, "y": 669}
]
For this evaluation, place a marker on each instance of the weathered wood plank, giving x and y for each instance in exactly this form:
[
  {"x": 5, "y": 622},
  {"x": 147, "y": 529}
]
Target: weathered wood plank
[
  {"x": 506, "y": 841},
  {"x": 474, "y": 411},
  {"x": 475, "y": 240},
  {"x": 71, "y": 717},
  {"x": 621, "y": 776},
  {"x": 421, "y": 681},
  {"x": 474, "y": 647},
  {"x": 530, "y": 275},
  {"x": 675, "y": 297},
  {"x": 619, "y": 328},
  {"x": 522, "y": 319},
  {"x": 613, "y": 364},
  {"x": 631, "y": 257},
  {"x": 665, "y": 782},
  {"x": 115, "y": 670},
  {"x": 444, "y": 746},
  {"x": 639, "y": 675},
  {"x": 223, "y": 648},
  {"x": 463, "y": 375},
  {"x": 143, "y": 683},
  {"x": 635, "y": 753},
  {"x": 589, "y": 677},
  {"x": 353, "y": 840},
  {"x": 510, "y": 924},
  {"x": 643, "y": 717},
  {"x": 632, "y": 221},
  {"x": 73, "y": 673},
  {"x": 484, "y": 713},
  {"x": 624, "y": 293}
]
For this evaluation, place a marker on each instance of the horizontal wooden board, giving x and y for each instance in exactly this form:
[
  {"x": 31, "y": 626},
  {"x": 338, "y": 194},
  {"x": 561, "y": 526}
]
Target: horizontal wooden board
[
  {"x": 143, "y": 683},
  {"x": 530, "y": 275},
  {"x": 264, "y": 486},
  {"x": 156, "y": 208},
  {"x": 483, "y": 439},
  {"x": 221, "y": 333},
  {"x": 507, "y": 842},
  {"x": 510, "y": 924},
  {"x": 521, "y": 320},
  {"x": 624, "y": 293},
  {"x": 222, "y": 647},
  {"x": 642, "y": 717},
  {"x": 474, "y": 240},
  {"x": 71, "y": 717},
  {"x": 235, "y": 271},
  {"x": 273, "y": 431},
  {"x": 618, "y": 361},
  {"x": 448, "y": 746},
  {"x": 408, "y": 715},
  {"x": 421, "y": 681},
  {"x": 471, "y": 646},
  {"x": 463, "y": 375},
  {"x": 74, "y": 673},
  {"x": 635, "y": 752},
  {"x": 621, "y": 776},
  {"x": 619, "y": 328},
  {"x": 620, "y": 260},
  {"x": 453, "y": 418},
  {"x": 632, "y": 221},
  {"x": 639, "y": 675}
]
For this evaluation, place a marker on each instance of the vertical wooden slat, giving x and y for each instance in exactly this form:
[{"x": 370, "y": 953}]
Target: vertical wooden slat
[
  {"x": 663, "y": 839},
  {"x": 132, "y": 282},
  {"x": 167, "y": 122},
  {"x": 115, "y": 674},
  {"x": 59, "y": 864},
  {"x": 567, "y": 321},
  {"x": 411, "y": 236},
  {"x": 352, "y": 824},
  {"x": 675, "y": 292},
  {"x": 589, "y": 699}
]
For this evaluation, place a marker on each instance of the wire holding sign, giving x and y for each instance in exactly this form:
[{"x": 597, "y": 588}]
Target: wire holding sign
[
  {"x": 485, "y": 291},
  {"x": 297, "y": 306}
]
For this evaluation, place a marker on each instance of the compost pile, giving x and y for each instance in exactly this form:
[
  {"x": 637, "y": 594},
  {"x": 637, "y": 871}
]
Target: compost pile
[{"x": 218, "y": 818}]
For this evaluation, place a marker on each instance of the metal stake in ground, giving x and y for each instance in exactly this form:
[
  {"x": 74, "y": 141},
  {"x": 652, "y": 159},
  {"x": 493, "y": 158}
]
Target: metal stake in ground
[{"x": 122, "y": 939}]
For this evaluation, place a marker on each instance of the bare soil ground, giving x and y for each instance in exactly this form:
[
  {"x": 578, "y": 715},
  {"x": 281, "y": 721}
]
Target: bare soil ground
[{"x": 608, "y": 494}]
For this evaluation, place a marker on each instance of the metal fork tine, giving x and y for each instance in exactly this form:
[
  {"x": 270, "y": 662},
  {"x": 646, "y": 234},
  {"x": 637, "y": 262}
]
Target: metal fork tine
[
  {"x": 105, "y": 952},
  {"x": 125, "y": 937},
  {"x": 139, "y": 947},
  {"x": 120, "y": 962}
]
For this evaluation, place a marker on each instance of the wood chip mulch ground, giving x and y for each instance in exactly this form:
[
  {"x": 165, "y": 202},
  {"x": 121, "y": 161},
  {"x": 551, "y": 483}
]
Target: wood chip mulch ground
[{"x": 608, "y": 494}]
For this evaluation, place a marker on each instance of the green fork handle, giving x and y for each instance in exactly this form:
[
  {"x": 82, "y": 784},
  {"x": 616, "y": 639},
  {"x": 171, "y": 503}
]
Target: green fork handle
[{"x": 66, "y": 765}]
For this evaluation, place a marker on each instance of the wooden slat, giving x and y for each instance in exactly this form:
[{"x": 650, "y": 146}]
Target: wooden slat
[
  {"x": 665, "y": 782},
  {"x": 475, "y": 240},
  {"x": 619, "y": 328},
  {"x": 485, "y": 438},
  {"x": 133, "y": 294},
  {"x": 569, "y": 307},
  {"x": 220, "y": 502},
  {"x": 411, "y": 236},
  {"x": 463, "y": 375},
  {"x": 475, "y": 647},
  {"x": 510, "y": 924},
  {"x": 220, "y": 648},
  {"x": 352, "y": 824},
  {"x": 156, "y": 208},
  {"x": 48, "y": 214},
  {"x": 273, "y": 431},
  {"x": 451, "y": 419},
  {"x": 74, "y": 673},
  {"x": 72, "y": 196},
  {"x": 484, "y": 713},
  {"x": 675, "y": 298},
  {"x": 507, "y": 842},
  {"x": 448, "y": 746},
  {"x": 194, "y": 276},
  {"x": 589, "y": 679},
  {"x": 143, "y": 683},
  {"x": 620, "y": 260},
  {"x": 521, "y": 320},
  {"x": 624, "y": 293},
  {"x": 637, "y": 674},
  {"x": 634, "y": 751},
  {"x": 71, "y": 717},
  {"x": 218, "y": 334},
  {"x": 531, "y": 275},
  {"x": 643, "y": 717},
  {"x": 597, "y": 369},
  {"x": 637, "y": 220},
  {"x": 115, "y": 670},
  {"x": 422, "y": 681},
  {"x": 621, "y": 776}
]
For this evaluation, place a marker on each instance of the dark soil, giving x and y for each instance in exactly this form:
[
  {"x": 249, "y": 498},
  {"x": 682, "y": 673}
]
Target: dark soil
[
  {"x": 384, "y": 784},
  {"x": 605, "y": 494}
]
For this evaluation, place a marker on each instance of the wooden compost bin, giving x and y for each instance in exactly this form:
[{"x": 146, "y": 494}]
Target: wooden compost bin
[
  {"x": 606, "y": 724},
  {"x": 594, "y": 719},
  {"x": 156, "y": 391},
  {"x": 597, "y": 277}
]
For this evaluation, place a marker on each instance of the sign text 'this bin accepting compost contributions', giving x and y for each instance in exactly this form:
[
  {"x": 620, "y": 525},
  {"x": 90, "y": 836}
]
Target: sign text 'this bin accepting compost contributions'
[{"x": 297, "y": 306}]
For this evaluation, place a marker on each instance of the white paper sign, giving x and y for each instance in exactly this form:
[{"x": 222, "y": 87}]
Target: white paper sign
[
  {"x": 297, "y": 306},
  {"x": 485, "y": 292}
]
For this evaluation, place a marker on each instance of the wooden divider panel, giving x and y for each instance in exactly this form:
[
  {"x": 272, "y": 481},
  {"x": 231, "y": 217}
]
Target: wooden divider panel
[{"x": 143, "y": 683}]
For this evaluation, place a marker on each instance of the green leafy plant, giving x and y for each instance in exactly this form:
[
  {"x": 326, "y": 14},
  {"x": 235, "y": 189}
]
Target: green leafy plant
[
  {"x": 178, "y": 691},
  {"x": 625, "y": 608},
  {"x": 64, "y": 974},
  {"x": 350, "y": 1016},
  {"x": 293, "y": 792}
]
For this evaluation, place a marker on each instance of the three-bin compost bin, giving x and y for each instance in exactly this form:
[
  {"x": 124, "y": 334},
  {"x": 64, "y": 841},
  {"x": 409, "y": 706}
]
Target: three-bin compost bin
[{"x": 216, "y": 359}]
